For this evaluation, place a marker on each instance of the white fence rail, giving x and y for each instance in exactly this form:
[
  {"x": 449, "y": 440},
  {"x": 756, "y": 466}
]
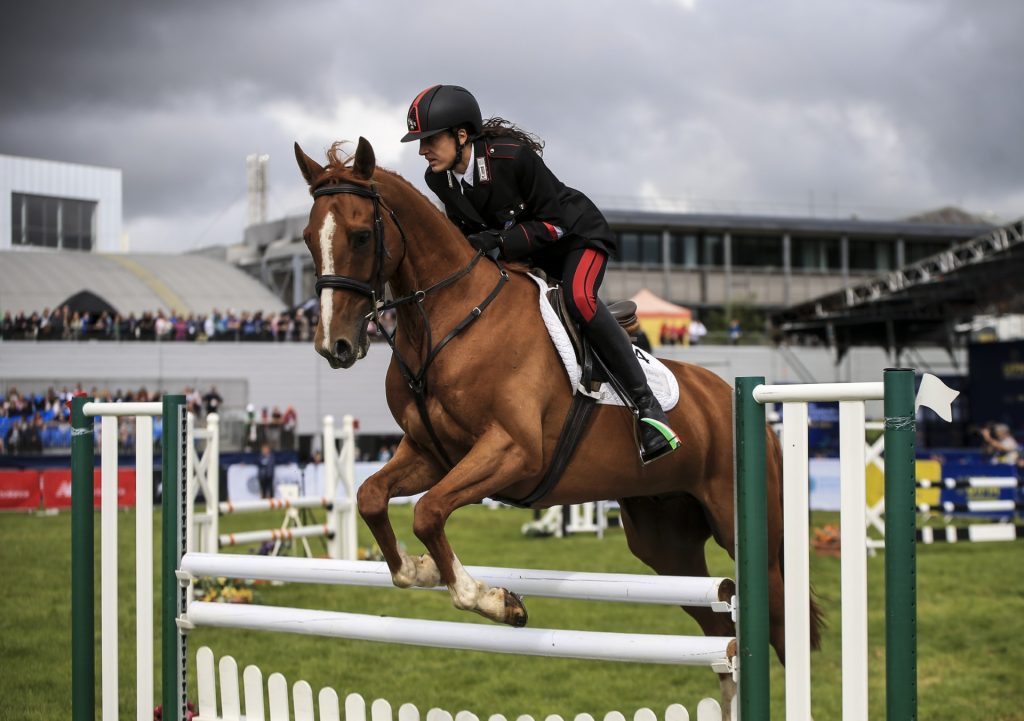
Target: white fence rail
[{"x": 326, "y": 705}]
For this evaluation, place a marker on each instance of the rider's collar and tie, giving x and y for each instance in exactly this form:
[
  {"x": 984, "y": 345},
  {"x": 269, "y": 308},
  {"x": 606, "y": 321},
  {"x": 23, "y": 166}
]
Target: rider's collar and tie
[{"x": 465, "y": 180}]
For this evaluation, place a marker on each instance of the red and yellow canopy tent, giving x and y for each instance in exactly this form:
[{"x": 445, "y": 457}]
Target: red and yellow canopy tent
[{"x": 656, "y": 313}]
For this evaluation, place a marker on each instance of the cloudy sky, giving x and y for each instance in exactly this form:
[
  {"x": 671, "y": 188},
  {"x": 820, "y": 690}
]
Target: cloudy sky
[{"x": 883, "y": 108}]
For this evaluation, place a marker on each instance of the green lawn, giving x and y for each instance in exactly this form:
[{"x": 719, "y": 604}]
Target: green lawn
[{"x": 970, "y": 602}]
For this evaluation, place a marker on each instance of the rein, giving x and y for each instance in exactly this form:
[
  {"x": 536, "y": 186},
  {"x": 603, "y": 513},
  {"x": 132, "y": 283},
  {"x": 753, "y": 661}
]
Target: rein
[{"x": 417, "y": 381}]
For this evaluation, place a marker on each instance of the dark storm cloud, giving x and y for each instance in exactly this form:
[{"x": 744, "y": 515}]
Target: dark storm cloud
[{"x": 897, "y": 106}]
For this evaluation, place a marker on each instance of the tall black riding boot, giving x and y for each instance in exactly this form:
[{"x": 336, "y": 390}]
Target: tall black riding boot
[{"x": 612, "y": 344}]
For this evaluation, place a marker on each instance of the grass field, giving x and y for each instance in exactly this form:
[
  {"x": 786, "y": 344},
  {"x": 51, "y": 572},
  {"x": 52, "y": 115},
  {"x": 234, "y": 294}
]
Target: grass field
[{"x": 970, "y": 630}]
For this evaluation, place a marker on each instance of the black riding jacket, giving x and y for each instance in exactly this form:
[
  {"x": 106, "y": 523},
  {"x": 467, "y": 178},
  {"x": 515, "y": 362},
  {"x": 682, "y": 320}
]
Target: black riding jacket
[{"x": 515, "y": 193}]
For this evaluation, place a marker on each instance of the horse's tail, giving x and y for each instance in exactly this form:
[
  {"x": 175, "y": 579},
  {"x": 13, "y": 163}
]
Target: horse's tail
[{"x": 817, "y": 619}]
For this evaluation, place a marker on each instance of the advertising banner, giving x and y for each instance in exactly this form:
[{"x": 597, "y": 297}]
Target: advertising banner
[
  {"x": 243, "y": 485},
  {"x": 19, "y": 490},
  {"x": 57, "y": 488}
]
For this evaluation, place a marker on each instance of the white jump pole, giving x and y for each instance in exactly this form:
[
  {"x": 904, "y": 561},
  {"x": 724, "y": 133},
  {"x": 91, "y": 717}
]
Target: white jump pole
[
  {"x": 347, "y": 517},
  {"x": 144, "y": 564},
  {"x": 330, "y": 484},
  {"x": 713, "y": 651},
  {"x": 795, "y": 498},
  {"x": 339, "y": 467},
  {"x": 108, "y": 566},
  {"x": 192, "y": 528},
  {"x": 853, "y": 559},
  {"x": 819, "y": 392},
  {"x": 715, "y": 593},
  {"x": 243, "y": 538},
  {"x": 274, "y": 504},
  {"x": 212, "y": 490}
]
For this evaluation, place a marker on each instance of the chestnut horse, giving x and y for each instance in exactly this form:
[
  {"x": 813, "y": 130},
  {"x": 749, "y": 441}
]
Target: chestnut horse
[{"x": 496, "y": 396}]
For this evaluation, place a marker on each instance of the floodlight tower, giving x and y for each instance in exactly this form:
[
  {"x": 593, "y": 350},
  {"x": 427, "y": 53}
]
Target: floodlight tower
[{"x": 256, "y": 174}]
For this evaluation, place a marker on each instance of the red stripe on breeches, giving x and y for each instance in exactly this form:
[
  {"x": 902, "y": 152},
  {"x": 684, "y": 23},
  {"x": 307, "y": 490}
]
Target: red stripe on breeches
[{"x": 584, "y": 292}]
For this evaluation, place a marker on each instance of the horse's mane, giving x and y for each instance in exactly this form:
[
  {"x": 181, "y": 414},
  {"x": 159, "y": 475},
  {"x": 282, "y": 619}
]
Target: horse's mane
[{"x": 339, "y": 170}]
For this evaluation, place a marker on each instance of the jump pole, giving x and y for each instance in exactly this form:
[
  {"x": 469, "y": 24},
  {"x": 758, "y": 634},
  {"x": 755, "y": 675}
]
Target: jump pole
[
  {"x": 173, "y": 452},
  {"x": 174, "y": 596},
  {"x": 900, "y": 548},
  {"x": 900, "y": 565},
  {"x": 751, "y": 551},
  {"x": 83, "y": 626}
]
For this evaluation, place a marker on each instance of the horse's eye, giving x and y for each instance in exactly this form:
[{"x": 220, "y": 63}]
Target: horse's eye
[{"x": 360, "y": 238}]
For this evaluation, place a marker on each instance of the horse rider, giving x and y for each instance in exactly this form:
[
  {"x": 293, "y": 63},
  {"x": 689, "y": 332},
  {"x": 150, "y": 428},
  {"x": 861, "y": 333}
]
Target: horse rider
[{"x": 496, "y": 188}]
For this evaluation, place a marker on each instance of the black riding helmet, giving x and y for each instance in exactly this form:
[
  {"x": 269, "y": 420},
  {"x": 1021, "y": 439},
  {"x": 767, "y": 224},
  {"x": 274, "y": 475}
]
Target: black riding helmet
[{"x": 440, "y": 108}]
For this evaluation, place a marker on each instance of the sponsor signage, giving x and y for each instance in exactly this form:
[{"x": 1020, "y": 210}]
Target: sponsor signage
[
  {"x": 19, "y": 490},
  {"x": 57, "y": 488}
]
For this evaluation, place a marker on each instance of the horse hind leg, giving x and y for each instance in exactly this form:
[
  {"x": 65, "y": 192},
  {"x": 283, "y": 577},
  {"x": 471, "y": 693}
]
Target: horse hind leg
[{"x": 669, "y": 536}]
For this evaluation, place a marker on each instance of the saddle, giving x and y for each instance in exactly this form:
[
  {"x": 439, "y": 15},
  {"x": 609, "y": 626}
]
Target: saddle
[
  {"x": 593, "y": 375},
  {"x": 624, "y": 312}
]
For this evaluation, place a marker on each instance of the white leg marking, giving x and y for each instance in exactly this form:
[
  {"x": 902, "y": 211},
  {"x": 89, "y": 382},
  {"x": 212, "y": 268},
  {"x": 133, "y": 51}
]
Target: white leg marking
[
  {"x": 466, "y": 591},
  {"x": 469, "y": 594},
  {"x": 417, "y": 571},
  {"x": 327, "y": 268}
]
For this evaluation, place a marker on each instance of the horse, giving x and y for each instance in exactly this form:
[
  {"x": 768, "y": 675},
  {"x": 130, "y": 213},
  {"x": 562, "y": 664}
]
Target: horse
[{"x": 483, "y": 413}]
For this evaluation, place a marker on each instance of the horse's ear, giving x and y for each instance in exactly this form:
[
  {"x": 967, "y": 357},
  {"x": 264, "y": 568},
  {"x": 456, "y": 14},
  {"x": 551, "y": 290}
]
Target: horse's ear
[
  {"x": 365, "y": 162},
  {"x": 310, "y": 168}
]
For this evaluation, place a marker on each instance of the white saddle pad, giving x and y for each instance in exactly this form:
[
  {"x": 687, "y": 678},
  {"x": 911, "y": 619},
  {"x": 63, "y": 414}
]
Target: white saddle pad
[{"x": 659, "y": 377}]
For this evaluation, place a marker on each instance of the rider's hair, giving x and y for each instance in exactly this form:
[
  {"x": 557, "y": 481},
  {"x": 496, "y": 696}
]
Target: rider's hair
[{"x": 500, "y": 128}]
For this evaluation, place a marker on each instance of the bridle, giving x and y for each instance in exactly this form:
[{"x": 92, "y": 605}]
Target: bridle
[{"x": 374, "y": 290}]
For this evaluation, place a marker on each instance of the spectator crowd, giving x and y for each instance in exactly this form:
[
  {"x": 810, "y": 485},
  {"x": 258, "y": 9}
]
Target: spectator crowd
[
  {"x": 65, "y": 324},
  {"x": 32, "y": 423}
]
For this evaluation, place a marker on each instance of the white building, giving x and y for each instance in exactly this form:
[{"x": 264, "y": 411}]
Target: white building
[{"x": 48, "y": 204}]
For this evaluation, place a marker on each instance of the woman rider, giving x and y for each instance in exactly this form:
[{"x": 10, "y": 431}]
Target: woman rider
[{"x": 497, "y": 189}]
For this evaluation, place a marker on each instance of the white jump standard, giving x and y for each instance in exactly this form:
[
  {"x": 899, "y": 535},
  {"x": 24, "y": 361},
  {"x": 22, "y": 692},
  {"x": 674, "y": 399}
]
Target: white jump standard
[
  {"x": 180, "y": 613},
  {"x": 722, "y": 654},
  {"x": 204, "y": 530}
]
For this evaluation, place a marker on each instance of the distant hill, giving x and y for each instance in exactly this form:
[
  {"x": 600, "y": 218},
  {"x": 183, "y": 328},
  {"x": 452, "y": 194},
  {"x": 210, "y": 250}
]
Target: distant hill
[{"x": 949, "y": 215}]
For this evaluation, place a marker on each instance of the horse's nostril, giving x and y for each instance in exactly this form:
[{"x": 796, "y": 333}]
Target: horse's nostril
[{"x": 342, "y": 349}]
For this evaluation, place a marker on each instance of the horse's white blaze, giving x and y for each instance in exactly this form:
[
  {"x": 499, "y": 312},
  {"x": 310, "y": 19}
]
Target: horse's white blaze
[{"x": 327, "y": 268}]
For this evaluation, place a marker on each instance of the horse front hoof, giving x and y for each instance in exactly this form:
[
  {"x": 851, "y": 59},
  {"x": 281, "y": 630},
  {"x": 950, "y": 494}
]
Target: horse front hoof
[{"x": 515, "y": 612}]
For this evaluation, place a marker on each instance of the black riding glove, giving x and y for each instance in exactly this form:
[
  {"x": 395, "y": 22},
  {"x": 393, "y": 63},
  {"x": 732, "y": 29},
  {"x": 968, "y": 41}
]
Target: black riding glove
[{"x": 485, "y": 241}]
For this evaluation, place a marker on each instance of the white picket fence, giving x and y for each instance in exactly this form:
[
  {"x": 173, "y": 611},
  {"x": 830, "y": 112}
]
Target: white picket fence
[{"x": 273, "y": 699}]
